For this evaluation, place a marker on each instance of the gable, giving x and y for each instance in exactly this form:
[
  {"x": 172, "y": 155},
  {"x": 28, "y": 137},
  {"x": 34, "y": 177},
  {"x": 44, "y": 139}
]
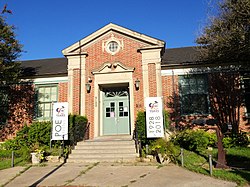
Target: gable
[{"x": 148, "y": 41}]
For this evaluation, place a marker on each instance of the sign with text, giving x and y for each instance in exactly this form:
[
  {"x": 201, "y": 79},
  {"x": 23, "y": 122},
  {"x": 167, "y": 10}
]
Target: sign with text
[
  {"x": 154, "y": 117},
  {"x": 60, "y": 121}
]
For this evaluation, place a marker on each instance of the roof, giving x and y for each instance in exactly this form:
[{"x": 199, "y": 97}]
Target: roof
[
  {"x": 57, "y": 66},
  {"x": 180, "y": 56},
  {"x": 73, "y": 49},
  {"x": 41, "y": 67}
]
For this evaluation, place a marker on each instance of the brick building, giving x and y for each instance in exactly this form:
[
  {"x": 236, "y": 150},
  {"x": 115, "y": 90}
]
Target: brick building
[{"x": 107, "y": 75}]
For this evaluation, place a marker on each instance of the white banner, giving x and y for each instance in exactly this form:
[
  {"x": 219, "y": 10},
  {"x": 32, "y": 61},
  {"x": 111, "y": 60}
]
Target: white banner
[
  {"x": 60, "y": 121},
  {"x": 154, "y": 117}
]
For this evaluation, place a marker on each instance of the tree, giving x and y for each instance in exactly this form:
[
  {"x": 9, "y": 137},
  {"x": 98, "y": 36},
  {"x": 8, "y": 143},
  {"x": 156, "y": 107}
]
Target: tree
[
  {"x": 10, "y": 70},
  {"x": 225, "y": 46},
  {"x": 10, "y": 50},
  {"x": 225, "y": 43},
  {"x": 226, "y": 39}
]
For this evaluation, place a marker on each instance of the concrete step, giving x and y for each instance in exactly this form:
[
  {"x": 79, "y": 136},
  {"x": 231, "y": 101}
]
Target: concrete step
[
  {"x": 115, "y": 143},
  {"x": 104, "y": 149},
  {"x": 108, "y": 155},
  {"x": 100, "y": 146},
  {"x": 93, "y": 160}
]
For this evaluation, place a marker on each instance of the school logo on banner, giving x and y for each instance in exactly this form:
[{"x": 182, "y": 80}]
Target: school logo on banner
[{"x": 60, "y": 121}]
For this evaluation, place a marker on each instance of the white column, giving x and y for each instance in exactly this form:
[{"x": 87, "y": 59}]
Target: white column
[{"x": 76, "y": 62}]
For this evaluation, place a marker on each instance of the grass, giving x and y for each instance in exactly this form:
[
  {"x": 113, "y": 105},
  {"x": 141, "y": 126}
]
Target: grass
[
  {"x": 5, "y": 159},
  {"x": 238, "y": 159}
]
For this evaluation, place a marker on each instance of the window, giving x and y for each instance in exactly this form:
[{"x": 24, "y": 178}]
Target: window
[
  {"x": 113, "y": 47},
  {"x": 193, "y": 94},
  {"x": 46, "y": 95}
]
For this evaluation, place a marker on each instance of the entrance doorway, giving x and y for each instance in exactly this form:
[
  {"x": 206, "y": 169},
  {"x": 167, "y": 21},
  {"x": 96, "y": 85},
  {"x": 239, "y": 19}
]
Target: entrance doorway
[{"x": 116, "y": 115}]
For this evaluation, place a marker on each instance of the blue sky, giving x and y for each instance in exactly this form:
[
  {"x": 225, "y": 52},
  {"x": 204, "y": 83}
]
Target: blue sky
[{"x": 46, "y": 27}]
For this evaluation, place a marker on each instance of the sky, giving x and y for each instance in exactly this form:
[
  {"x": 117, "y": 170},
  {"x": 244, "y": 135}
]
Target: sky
[{"x": 46, "y": 27}]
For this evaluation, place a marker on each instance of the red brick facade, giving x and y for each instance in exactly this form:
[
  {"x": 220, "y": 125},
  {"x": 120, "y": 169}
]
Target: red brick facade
[{"x": 131, "y": 56}]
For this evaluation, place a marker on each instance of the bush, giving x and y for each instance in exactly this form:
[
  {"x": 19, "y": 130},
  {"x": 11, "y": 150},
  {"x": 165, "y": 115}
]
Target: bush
[
  {"x": 236, "y": 140},
  {"x": 166, "y": 148},
  {"x": 77, "y": 128},
  {"x": 194, "y": 140},
  {"x": 37, "y": 136}
]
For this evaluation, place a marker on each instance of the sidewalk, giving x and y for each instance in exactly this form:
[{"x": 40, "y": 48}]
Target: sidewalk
[{"x": 111, "y": 174}]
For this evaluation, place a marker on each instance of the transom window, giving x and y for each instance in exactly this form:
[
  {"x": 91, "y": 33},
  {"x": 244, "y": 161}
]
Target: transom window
[
  {"x": 46, "y": 96},
  {"x": 193, "y": 94}
]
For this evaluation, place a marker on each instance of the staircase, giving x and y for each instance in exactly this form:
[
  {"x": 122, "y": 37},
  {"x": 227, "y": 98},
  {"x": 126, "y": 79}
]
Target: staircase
[{"x": 104, "y": 149}]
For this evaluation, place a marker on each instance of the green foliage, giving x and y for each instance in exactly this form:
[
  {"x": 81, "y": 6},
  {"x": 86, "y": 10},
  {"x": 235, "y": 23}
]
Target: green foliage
[
  {"x": 166, "y": 148},
  {"x": 235, "y": 140},
  {"x": 77, "y": 128},
  {"x": 31, "y": 137},
  {"x": 192, "y": 140},
  {"x": 9, "y": 51},
  {"x": 226, "y": 38}
]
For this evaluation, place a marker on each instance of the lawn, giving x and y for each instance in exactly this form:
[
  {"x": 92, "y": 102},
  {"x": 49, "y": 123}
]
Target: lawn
[
  {"x": 5, "y": 159},
  {"x": 238, "y": 159}
]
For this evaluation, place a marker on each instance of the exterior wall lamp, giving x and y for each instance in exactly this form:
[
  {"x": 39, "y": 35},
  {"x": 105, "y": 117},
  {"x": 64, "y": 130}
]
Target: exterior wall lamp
[
  {"x": 137, "y": 84},
  {"x": 88, "y": 87}
]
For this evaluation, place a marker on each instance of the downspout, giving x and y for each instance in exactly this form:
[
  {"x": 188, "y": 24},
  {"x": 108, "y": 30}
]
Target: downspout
[
  {"x": 80, "y": 86},
  {"x": 174, "y": 99}
]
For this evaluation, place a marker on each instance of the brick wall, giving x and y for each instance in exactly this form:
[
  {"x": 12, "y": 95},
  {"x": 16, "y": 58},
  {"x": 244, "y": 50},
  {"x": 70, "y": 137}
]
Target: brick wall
[
  {"x": 21, "y": 110},
  {"x": 63, "y": 92},
  {"x": 152, "y": 80},
  {"x": 76, "y": 91},
  {"x": 129, "y": 56},
  {"x": 172, "y": 105}
]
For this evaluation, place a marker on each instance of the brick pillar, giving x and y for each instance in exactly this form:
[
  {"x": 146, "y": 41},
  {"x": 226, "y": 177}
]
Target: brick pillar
[{"x": 76, "y": 91}]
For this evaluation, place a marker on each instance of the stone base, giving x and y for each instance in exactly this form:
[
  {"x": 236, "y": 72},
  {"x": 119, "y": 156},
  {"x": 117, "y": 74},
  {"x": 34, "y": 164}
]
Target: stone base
[{"x": 55, "y": 159}]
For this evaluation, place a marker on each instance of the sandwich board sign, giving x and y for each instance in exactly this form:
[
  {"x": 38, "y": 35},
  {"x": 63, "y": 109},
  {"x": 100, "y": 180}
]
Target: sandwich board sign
[
  {"x": 154, "y": 117},
  {"x": 60, "y": 121}
]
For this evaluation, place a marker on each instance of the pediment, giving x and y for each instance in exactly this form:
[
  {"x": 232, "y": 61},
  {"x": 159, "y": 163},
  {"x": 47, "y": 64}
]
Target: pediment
[
  {"x": 116, "y": 67},
  {"x": 74, "y": 49}
]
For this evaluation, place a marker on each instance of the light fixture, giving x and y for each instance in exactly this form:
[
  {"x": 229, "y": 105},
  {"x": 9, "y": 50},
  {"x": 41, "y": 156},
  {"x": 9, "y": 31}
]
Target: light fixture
[
  {"x": 137, "y": 84},
  {"x": 89, "y": 79},
  {"x": 88, "y": 87}
]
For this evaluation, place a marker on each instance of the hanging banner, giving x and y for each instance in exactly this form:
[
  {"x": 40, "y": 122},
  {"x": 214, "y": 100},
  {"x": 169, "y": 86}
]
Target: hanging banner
[
  {"x": 60, "y": 121},
  {"x": 154, "y": 117}
]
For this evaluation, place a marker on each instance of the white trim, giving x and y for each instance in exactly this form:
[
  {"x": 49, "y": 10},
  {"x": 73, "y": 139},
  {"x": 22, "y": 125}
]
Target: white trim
[
  {"x": 175, "y": 71},
  {"x": 50, "y": 80},
  {"x": 114, "y": 27}
]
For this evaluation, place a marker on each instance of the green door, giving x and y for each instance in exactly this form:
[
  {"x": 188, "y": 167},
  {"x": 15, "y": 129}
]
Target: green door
[{"x": 116, "y": 111}]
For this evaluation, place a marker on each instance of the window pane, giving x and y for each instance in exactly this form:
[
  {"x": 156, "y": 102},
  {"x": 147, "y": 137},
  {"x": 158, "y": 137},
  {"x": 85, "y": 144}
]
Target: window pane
[
  {"x": 193, "y": 94},
  {"x": 53, "y": 97},
  {"x": 46, "y": 95}
]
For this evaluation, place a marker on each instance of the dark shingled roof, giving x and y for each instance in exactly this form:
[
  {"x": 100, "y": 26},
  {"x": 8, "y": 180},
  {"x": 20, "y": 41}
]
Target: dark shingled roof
[
  {"x": 56, "y": 66},
  {"x": 179, "y": 56},
  {"x": 53, "y": 66}
]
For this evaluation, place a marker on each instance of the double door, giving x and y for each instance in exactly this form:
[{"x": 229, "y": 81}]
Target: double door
[{"x": 116, "y": 111}]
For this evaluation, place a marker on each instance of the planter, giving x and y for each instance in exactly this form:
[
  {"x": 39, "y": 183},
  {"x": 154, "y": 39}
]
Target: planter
[{"x": 35, "y": 158}]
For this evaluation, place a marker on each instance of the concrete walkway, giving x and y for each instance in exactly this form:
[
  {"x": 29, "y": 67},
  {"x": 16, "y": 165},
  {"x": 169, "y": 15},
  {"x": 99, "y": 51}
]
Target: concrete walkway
[{"x": 108, "y": 174}]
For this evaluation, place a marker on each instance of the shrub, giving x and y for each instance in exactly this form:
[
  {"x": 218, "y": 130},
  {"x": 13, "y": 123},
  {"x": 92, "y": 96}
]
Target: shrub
[
  {"x": 236, "y": 140},
  {"x": 165, "y": 148},
  {"x": 77, "y": 128},
  {"x": 194, "y": 140}
]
